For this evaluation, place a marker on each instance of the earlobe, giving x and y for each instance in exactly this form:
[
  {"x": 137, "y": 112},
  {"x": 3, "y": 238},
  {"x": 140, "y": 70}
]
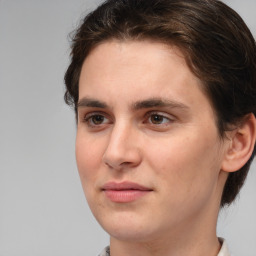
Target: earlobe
[{"x": 241, "y": 145}]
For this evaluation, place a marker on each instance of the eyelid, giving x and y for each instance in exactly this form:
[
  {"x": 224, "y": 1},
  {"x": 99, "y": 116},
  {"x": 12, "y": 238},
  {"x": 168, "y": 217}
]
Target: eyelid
[
  {"x": 92, "y": 113},
  {"x": 84, "y": 115},
  {"x": 160, "y": 113},
  {"x": 87, "y": 117},
  {"x": 171, "y": 118}
]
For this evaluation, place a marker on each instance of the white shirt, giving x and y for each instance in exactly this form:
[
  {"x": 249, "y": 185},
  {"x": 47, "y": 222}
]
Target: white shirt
[
  {"x": 223, "y": 251},
  {"x": 224, "y": 248}
]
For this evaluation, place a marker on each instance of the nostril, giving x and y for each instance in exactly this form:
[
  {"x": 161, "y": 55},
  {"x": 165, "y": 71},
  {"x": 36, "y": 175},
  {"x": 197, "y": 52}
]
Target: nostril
[
  {"x": 122, "y": 156},
  {"x": 118, "y": 166},
  {"x": 126, "y": 163}
]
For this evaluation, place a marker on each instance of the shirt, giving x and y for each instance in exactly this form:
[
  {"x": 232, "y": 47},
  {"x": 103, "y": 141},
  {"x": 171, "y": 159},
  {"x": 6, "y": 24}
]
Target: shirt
[{"x": 223, "y": 251}]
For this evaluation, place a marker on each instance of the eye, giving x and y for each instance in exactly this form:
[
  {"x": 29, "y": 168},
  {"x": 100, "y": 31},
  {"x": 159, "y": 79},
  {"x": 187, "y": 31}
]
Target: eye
[
  {"x": 159, "y": 119},
  {"x": 96, "y": 119}
]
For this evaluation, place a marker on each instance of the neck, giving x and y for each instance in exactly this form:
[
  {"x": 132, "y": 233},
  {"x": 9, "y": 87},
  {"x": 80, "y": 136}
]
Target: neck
[
  {"x": 195, "y": 237},
  {"x": 183, "y": 245}
]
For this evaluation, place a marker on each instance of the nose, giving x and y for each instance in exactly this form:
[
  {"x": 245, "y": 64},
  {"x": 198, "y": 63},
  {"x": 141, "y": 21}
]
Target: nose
[{"x": 122, "y": 150}]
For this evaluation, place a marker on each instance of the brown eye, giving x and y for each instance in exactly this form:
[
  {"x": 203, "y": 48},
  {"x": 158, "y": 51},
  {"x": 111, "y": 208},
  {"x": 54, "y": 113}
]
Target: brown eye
[
  {"x": 97, "y": 119},
  {"x": 157, "y": 119}
]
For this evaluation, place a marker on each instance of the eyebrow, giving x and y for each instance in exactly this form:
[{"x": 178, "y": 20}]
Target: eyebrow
[
  {"x": 143, "y": 104},
  {"x": 89, "y": 102},
  {"x": 158, "y": 102}
]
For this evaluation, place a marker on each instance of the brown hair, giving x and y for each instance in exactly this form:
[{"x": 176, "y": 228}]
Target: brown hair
[{"x": 217, "y": 45}]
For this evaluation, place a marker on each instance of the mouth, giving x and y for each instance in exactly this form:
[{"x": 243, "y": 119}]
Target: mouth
[{"x": 125, "y": 192}]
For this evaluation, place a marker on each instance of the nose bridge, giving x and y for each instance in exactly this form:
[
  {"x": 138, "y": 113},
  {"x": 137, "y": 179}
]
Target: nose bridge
[
  {"x": 122, "y": 149},
  {"x": 120, "y": 134}
]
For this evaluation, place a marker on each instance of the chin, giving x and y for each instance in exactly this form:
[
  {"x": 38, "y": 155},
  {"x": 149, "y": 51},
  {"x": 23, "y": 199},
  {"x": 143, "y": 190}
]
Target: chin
[
  {"x": 129, "y": 228},
  {"x": 130, "y": 234}
]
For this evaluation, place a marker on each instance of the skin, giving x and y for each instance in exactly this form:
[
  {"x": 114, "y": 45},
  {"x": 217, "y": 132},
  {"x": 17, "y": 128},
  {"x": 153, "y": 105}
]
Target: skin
[{"x": 142, "y": 117}]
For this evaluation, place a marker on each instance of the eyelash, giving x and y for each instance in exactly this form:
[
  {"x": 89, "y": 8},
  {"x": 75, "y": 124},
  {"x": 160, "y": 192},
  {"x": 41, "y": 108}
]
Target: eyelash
[
  {"x": 88, "y": 119},
  {"x": 161, "y": 115}
]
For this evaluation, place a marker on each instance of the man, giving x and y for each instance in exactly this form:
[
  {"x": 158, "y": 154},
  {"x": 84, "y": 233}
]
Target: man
[{"x": 165, "y": 98}]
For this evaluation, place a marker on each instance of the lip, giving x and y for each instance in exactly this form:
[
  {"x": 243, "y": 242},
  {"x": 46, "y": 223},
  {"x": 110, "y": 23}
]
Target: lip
[{"x": 125, "y": 192}]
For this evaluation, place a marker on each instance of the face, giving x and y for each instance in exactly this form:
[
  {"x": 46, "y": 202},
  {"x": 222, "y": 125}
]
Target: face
[{"x": 148, "y": 150}]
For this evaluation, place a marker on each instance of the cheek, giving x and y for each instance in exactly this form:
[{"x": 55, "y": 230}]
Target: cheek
[
  {"x": 186, "y": 164},
  {"x": 186, "y": 176},
  {"x": 88, "y": 158}
]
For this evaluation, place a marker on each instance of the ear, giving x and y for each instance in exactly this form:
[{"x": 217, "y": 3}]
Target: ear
[{"x": 240, "y": 145}]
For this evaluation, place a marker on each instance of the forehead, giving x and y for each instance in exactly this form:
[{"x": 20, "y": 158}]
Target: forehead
[{"x": 134, "y": 70}]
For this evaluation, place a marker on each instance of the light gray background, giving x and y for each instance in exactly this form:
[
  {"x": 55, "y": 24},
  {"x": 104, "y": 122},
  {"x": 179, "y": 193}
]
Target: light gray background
[{"x": 42, "y": 207}]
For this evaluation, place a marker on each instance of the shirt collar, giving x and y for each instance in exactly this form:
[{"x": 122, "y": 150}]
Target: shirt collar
[
  {"x": 223, "y": 251},
  {"x": 224, "y": 248},
  {"x": 105, "y": 252}
]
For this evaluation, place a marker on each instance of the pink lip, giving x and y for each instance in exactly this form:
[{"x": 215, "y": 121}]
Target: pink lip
[{"x": 124, "y": 192}]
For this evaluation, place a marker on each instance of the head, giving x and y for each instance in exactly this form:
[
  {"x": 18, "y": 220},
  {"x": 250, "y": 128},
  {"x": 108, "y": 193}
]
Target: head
[{"x": 216, "y": 44}]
